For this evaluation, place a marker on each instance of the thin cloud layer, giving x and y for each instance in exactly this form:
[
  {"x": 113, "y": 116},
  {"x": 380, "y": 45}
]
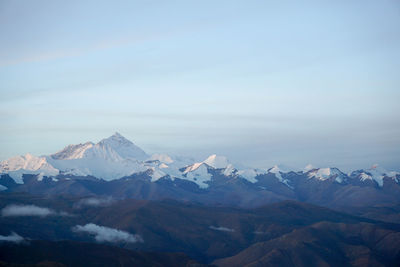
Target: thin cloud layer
[
  {"x": 219, "y": 228},
  {"x": 94, "y": 202},
  {"x": 26, "y": 210},
  {"x": 105, "y": 234},
  {"x": 13, "y": 237}
]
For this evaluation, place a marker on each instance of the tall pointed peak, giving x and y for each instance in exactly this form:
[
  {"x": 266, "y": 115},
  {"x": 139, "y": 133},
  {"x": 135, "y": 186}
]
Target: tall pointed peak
[
  {"x": 117, "y": 134},
  {"x": 217, "y": 162},
  {"x": 116, "y": 138},
  {"x": 124, "y": 147}
]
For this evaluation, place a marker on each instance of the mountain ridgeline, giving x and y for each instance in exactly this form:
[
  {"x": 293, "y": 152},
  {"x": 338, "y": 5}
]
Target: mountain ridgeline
[
  {"x": 112, "y": 204},
  {"x": 117, "y": 168}
]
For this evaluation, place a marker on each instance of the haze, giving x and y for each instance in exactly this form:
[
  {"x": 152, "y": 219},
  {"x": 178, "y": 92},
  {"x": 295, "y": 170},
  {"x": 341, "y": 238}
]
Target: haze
[{"x": 260, "y": 82}]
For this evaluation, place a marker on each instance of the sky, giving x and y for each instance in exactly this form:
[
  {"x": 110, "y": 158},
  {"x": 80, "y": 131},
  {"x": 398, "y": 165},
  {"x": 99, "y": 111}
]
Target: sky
[{"x": 261, "y": 82}]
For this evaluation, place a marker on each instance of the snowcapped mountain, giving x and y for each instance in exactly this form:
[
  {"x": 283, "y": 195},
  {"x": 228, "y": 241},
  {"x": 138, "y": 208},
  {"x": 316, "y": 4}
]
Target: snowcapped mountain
[
  {"x": 217, "y": 162},
  {"x": 122, "y": 146},
  {"x": 28, "y": 164},
  {"x": 250, "y": 174},
  {"x": 213, "y": 161},
  {"x": 109, "y": 159},
  {"x": 327, "y": 173},
  {"x": 72, "y": 151},
  {"x": 375, "y": 173},
  {"x": 199, "y": 172},
  {"x": 116, "y": 157},
  {"x": 113, "y": 148},
  {"x": 279, "y": 171}
]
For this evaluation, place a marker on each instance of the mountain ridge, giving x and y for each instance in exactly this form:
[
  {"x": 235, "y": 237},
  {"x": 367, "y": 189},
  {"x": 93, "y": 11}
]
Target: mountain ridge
[{"x": 117, "y": 167}]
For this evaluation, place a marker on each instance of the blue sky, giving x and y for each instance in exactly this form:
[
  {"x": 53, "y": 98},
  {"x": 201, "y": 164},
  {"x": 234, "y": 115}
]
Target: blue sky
[{"x": 261, "y": 82}]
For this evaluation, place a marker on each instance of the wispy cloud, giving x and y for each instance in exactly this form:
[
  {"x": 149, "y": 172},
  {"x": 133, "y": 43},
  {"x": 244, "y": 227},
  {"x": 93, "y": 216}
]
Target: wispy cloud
[
  {"x": 83, "y": 50},
  {"x": 14, "y": 210},
  {"x": 94, "y": 202},
  {"x": 26, "y": 210},
  {"x": 13, "y": 237},
  {"x": 105, "y": 234},
  {"x": 219, "y": 228}
]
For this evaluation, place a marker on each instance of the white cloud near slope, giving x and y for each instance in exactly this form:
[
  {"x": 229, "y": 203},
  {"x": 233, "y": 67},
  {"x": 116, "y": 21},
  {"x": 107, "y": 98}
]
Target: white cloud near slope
[
  {"x": 105, "y": 234},
  {"x": 13, "y": 237}
]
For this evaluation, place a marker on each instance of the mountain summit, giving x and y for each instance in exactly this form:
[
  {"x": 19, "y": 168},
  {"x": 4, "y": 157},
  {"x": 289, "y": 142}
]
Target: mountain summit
[
  {"x": 113, "y": 148},
  {"x": 124, "y": 147}
]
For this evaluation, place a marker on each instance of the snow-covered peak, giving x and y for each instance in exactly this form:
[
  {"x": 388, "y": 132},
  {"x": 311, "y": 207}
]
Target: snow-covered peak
[
  {"x": 326, "y": 173},
  {"x": 229, "y": 170},
  {"x": 124, "y": 147},
  {"x": 192, "y": 167},
  {"x": 375, "y": 173},
  {"x": 378, "y": 169},
  {"x": 28, "y": 164},
  {"x": 250, "y": 174},
  {"x": 309, "y": 167},
  {"x": 72, "y": 151},
  {"x": 111, "y": 158},
  {"x": 217, "y": 162},
  {"x": 156, "y": 174},
  {"x": 213, "y": 161},
  {"x": 279, "y": 169},
  {"x": 103, "y": 151},
  {"x": 199, "y": 175}
]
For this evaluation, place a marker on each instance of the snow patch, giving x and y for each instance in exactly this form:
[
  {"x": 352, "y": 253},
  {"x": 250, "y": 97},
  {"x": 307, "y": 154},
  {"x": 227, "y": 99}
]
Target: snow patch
[
  {"x": 156, "y": 174},
  {"x": 163, "y": 166},
  {"x": 192, "y": 167},
  {"x": 229, "y": 170},
  {"x": 249, "y": 174},
  {"x": 199, "y": 176}
]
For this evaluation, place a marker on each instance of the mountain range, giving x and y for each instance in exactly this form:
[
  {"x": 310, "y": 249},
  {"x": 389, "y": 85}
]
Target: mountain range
[
  {"x": 112, "y": 204},
  {"x": 116, "y": 167}
]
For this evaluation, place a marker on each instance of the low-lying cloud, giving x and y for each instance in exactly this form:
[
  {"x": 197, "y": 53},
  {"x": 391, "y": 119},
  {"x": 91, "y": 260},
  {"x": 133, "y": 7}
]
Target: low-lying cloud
[
  {"x": 26, "y": 210},
  {"x": 260, "y": 233},
  {"x": 105, "y": 234},
  {"x": 13, "y": 237},
  {"x": 219, "y": 228},
  {"x": 15, "y": 210},
  {"x": 94, "y": 202}
]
